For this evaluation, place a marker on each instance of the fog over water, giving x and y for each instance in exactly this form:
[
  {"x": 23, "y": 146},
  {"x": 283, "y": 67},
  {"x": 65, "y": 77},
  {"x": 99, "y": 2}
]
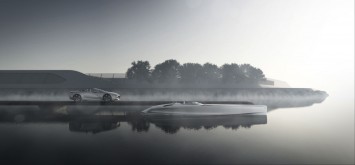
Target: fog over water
[
  {"x": 319, "y": 133},
  {"x": 299, "y": 131}
]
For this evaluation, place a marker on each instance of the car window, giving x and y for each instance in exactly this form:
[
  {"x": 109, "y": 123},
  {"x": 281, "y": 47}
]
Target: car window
[{"x": 84, "y": 90}]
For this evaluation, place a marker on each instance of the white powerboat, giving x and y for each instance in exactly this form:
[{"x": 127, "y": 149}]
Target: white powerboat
[{"x": 199, "y": 109}]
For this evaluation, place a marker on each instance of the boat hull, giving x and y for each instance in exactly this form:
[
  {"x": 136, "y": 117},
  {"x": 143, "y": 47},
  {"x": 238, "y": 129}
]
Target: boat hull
[{"x": 207, "y": 110}]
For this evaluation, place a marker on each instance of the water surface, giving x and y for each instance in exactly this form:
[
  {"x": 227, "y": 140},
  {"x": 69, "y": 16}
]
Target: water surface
[{"x": 316, "y": 134}]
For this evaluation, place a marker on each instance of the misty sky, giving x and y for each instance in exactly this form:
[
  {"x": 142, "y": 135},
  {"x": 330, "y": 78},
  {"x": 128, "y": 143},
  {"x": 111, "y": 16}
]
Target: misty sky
[{"x": 308, "y": 43}]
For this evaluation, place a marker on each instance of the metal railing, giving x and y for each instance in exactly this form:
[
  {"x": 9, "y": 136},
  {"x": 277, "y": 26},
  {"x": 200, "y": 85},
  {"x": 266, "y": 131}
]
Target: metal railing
[{"x": 107, "y": 75}]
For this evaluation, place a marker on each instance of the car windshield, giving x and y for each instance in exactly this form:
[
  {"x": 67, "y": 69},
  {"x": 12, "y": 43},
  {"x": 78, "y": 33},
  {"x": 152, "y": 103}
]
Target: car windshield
[{"x": 98, "y": 90}]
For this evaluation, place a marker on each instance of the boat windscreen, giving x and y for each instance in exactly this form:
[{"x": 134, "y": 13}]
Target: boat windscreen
[
  {"x": 166, "y": 105},
  {"x": 192, "y": 103}
]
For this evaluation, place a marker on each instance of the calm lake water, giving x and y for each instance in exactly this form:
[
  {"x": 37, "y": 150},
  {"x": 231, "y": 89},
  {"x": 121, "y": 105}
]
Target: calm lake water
[{"x": 316, "y": 134}]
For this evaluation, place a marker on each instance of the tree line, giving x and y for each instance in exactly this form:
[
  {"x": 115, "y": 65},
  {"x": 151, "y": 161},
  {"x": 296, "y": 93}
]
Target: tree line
[{"x": 171, "y": 71}]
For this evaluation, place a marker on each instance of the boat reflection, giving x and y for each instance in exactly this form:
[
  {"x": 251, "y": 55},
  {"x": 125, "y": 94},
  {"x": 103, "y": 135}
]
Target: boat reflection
[{"x": 234, "y": 122}]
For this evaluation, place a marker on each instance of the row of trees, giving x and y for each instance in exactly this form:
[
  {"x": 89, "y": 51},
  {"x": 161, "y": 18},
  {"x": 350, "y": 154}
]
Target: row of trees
[{"x": 171, "y": 71}]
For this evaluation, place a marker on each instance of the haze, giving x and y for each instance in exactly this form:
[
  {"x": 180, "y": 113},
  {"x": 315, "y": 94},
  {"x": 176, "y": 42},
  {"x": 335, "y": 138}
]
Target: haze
[{"x": 307, "y": 43}]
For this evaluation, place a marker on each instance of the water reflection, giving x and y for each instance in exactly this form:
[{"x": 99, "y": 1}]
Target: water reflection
[{"x": 107, "y": 120}]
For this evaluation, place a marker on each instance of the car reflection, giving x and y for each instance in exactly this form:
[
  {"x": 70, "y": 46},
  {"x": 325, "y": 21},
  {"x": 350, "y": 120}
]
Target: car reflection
[{"x": 93, "y": 124}]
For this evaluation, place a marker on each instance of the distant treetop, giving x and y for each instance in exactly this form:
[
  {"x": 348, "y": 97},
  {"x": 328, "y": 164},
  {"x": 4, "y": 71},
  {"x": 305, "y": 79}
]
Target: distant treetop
[{"x": 170, "y": 71}]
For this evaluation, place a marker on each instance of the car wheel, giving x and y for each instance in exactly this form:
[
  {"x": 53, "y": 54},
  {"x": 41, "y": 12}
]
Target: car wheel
[
  {"x": 77, "y": 98},
  {"x": 107, "y": 98}
]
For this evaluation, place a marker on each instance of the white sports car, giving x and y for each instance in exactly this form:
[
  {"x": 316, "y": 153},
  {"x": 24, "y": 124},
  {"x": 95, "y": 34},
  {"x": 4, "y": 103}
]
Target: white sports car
[{"x": 92, "y": 94}]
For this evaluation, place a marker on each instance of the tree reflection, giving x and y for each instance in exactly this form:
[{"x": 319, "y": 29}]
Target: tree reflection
[{"x": 96, "y": 123}]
